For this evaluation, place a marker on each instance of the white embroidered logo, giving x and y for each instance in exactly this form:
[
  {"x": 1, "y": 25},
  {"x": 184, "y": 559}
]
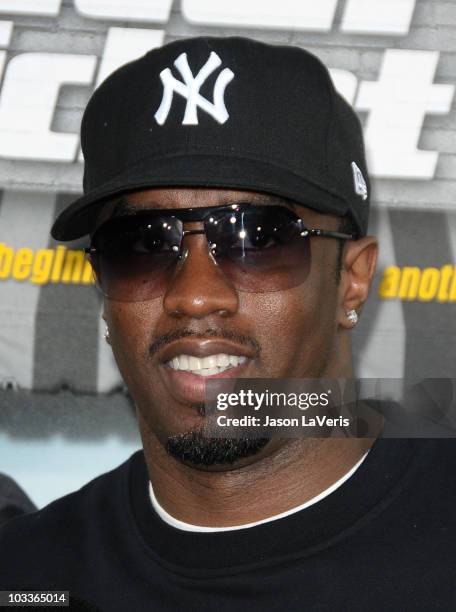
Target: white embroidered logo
[
  {"x": 360, "y": 183},
  {"x": 190, "y": 88}
]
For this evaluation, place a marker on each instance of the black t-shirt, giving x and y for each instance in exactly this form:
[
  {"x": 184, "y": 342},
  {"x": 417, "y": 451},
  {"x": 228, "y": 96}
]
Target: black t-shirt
[{"x": 383, "y": 541}]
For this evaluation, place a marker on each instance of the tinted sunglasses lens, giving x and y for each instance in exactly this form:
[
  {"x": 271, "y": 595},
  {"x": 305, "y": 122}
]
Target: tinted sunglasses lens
[
  {"x": 135, "y": 257},
  {"x": 264, "y": 248}
]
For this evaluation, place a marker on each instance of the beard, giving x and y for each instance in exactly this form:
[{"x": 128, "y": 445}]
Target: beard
[{"x": 196, "y": 448}]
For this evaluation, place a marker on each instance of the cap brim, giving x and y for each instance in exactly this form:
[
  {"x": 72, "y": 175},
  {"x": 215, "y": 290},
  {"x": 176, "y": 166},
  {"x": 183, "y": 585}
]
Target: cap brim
[{"x": 196, "y": 170}]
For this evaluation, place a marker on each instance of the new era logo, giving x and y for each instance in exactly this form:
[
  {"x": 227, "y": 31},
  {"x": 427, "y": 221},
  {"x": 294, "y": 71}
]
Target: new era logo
[
  {"x": 190, "y": 87},
  {"x": 359, "y": 182}
]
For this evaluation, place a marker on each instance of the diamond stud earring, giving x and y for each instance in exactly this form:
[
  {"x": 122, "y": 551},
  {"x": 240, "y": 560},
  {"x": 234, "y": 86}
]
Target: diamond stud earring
[
  {"x": 352, "y": 316},
  {"x": 106, "y": 334}
]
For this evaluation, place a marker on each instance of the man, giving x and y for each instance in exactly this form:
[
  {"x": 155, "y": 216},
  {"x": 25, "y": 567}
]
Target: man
[{"x": 226, "y": 197}]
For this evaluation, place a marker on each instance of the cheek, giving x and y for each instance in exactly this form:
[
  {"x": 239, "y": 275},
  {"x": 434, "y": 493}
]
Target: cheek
[
  {"x": 296, "y": 328},
  {"x": 131, "y": 328}
]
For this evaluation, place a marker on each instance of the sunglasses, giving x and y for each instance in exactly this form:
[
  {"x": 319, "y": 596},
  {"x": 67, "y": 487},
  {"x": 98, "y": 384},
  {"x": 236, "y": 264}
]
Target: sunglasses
[{"x": 259, "y": 248}]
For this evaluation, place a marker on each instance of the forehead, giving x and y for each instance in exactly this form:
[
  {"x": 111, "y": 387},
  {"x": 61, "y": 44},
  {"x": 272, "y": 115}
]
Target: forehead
[
  {"x": 195, "y": 197},
  {"x": 186, "y": 197}
]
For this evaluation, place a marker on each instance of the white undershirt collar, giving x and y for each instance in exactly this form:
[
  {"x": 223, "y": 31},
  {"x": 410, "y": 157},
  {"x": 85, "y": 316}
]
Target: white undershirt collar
[{"x": 174, "y": 522}]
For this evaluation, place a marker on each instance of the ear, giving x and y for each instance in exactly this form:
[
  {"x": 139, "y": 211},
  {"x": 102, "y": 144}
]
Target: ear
[
  {"x": 358, "y": 268},
  {"x": 103, "y": 316}
]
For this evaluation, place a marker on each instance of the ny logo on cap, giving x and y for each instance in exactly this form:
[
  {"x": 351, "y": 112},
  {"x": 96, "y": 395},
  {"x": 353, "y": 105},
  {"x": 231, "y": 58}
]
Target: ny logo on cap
[
  {"x": 190, "y": 89},
  {"x": 360, "y": 183}
]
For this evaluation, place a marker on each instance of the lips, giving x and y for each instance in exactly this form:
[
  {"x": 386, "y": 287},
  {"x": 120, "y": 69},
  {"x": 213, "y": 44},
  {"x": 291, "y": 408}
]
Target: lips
[
  {"x": 203, "y": 348},
  {"x": 186, "y": 365},
  {"x": 206, "y": 366}
]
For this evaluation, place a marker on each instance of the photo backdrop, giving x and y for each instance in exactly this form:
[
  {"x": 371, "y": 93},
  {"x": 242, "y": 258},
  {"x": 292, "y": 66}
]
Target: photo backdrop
[{"x": 63, "y": 414}]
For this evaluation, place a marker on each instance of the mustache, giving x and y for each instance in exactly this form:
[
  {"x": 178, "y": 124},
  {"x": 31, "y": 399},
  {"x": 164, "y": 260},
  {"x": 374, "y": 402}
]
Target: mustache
[{"x": 223, "y": 334}]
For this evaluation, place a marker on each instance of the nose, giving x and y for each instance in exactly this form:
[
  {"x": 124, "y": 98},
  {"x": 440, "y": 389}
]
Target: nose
[{"x": 199, "y": 288}]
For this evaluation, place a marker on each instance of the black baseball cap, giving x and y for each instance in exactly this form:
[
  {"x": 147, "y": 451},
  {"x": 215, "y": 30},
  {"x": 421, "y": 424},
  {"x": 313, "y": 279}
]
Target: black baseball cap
[{"x": 221, "y": 112}]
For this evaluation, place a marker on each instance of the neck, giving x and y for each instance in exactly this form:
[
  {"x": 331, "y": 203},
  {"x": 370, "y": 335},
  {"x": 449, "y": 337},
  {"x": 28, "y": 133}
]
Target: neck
[{"x": 282, "y": 478}]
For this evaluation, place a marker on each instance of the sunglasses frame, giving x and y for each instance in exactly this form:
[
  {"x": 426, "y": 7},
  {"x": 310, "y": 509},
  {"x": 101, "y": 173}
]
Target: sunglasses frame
[
  {"x": 203, "y": 214},
  {"x": 137, "y": 219}
]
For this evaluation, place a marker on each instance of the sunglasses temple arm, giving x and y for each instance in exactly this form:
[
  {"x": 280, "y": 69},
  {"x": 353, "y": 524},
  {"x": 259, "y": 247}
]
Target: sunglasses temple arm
[{"x": 331, "y": 234}]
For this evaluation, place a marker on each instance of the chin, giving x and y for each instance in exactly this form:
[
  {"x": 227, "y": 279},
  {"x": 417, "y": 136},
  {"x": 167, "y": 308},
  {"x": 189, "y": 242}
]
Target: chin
[{"x": 195, "y": 449}]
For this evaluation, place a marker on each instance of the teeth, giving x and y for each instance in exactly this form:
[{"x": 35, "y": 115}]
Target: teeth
[
  {"x": 207, "y": 371},
  {"x": 183, "y": 362},
  {"x": 223, "y": 360},
  {"x": 206, "y": 366},
  {"x": 193, "y": 363}
]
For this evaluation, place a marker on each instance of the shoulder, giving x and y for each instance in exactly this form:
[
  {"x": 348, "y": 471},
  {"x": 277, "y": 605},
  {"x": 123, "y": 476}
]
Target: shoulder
[
  {"x": 435, "y": 465},
  {"x": 71, "y": 524},
  {"x": 438, "y": 452},
  {"x": 428, "y": 485}
]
